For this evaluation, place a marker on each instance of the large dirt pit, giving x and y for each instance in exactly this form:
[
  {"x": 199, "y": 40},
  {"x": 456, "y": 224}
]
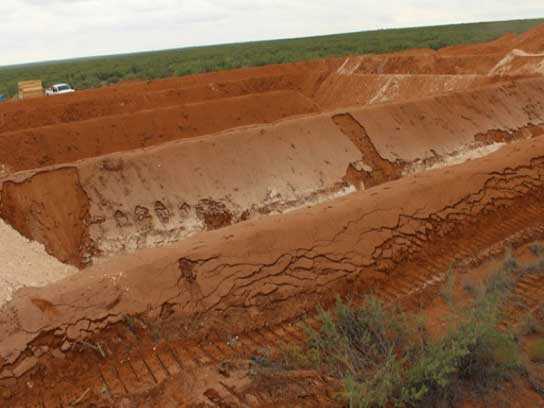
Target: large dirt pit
[{"x": 229, "y": 205}]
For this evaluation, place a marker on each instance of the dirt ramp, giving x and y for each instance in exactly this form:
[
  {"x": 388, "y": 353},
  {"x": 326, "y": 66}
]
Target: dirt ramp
[
  {"x": 253, "y": 76},
  {"x": 70, "y": 142},
  {"x": 240, "y": 74},
  {"x": 51, "y": 208},
  {"x": 327, "y": 88}
]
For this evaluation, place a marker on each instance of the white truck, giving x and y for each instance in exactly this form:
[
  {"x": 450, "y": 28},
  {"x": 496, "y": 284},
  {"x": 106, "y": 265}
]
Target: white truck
[{"x": 58, "y": 89}]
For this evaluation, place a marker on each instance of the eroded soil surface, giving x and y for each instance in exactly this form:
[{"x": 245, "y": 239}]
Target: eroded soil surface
[{"x": 210, "y": 215}]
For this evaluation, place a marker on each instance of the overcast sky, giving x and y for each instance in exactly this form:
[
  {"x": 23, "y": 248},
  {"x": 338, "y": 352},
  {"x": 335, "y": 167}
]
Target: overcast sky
[{"x": 35, "y": 30}]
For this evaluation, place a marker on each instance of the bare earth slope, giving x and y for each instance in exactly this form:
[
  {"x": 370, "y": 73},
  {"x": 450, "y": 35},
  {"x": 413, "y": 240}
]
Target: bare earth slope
[
  {"x": 247, "y": 173},
  {"x": 210, "y": 214},
  {"x": 248, "y": 274}
]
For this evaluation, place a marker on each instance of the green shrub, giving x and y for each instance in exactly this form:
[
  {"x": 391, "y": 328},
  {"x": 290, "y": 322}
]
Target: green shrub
[
  {"x": 377, "y": 388},
  {"x": 384, "y": 356},
  {"x": 354, "y": 340},
  {"x": 475, "y": 353}
]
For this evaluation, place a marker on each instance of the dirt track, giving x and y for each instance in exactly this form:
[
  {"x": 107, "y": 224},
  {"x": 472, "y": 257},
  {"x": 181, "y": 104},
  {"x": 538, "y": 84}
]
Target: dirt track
[{"x": 227, "y": 206}]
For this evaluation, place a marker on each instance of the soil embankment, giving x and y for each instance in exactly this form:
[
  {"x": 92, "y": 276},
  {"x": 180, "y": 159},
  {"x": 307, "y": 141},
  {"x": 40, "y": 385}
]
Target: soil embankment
[
  {"x": 210, "y": 213},
  {"x": 263, "y": 271},
  {"x": 78, "y": 213}
]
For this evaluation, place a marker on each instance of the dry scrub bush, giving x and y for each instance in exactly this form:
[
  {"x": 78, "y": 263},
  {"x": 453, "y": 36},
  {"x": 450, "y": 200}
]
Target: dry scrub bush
[{"x": 385, "y": 356}]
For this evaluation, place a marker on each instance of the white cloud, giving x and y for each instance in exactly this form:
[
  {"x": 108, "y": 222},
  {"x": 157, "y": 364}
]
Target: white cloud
[{"x": 33, "y": 30}]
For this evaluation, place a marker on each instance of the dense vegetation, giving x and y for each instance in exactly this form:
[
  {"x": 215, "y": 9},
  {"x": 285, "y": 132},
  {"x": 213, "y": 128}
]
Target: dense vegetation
[
  {"x": 97, "y": 71},
  {"x": 385, "y": 357}
]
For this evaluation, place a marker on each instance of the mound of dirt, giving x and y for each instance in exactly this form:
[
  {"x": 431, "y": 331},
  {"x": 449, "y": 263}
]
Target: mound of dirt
[
  {"x": 435, "y": 64},
  {"x": 363, "y": 89},
  {"x": 255, "y": 272},
  {"x": 89, "y": 105},
  {"x": 519, "y": 63},
  {"x": 227, "y": 178},
  {"x": 252, "y": 75},
  {"x": 236, "y": 176},
  {"x": 421, "y": 129},
  {"x": 532, "y": 41},
  {"x": 70, "y": 142}
]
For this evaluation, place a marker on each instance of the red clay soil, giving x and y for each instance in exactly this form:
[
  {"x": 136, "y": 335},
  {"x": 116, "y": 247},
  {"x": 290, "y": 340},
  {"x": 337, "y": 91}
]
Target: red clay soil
[
  {"x": 226, "y": 178},
  {"x": 436, "y": 64},
  {"x": 63, "y": 203},
  {"x": 532, "y": 41},
  {"x": 235, "y": 202},
  {"x": 329, "y": 88},
  {"x": 411, "y": 131},
  {"x": 303, "y": 76},
  {"x": 339, "y": 90},
  {"x": 137, "y": 96},
  {"x": 87, "y": 105},
  {"x": 298, "y": 68},
  {"x": 323, "y": 156},
  {"x": 70, "y": 142},
  {"x": 254, "y": 76},
  {"x": 520, "y": 63},
  {"x": 217, "y": 265},
  {"x": 133, "y": 95},
  {"x": 238, "y": 381},
  {"x": 263, "y": 273}
]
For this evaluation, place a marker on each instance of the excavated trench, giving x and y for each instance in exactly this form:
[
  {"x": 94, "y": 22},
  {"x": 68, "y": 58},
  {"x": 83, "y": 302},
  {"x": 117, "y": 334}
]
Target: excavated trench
[
  {"x": 177, "y": 197},
  {"x": 258, "y": 274},
  {"x": 119, "y": 203}
]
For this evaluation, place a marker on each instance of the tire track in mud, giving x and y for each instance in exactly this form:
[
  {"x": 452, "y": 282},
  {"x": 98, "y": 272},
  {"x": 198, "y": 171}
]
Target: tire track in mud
[{"x": 143, "y": 369}]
